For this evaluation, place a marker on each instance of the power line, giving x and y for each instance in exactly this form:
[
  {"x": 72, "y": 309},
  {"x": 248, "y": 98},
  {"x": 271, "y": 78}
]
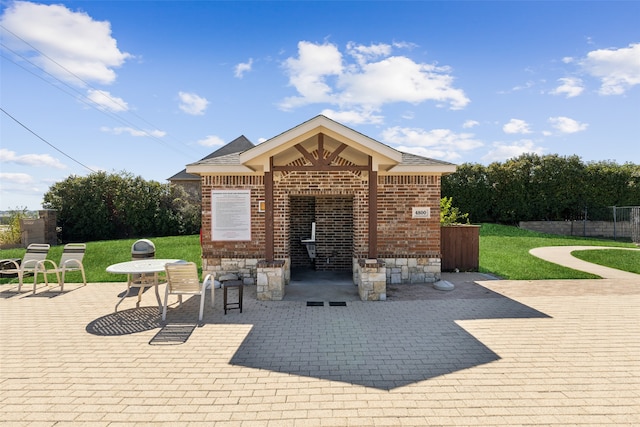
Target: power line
[
  {"x": 80, "y": 96},
  {"x": 83, "y": 97},
  {"x": 45, "y": 141}
]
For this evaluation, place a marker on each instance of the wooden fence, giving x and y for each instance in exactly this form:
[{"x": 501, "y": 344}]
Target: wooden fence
[{"x": 460, "y": 246}]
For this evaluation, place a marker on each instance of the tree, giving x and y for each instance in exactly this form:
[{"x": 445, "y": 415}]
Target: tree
[
  {"x": 105, "y": 206},
  {"x": 471, "y": 189},
  {"x": 550, "y": 187}
]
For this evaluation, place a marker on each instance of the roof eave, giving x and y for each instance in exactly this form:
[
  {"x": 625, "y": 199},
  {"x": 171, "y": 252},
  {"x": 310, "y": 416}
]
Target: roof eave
[
  {"x": 204, "y": 169},
  {"x": 430, "y": 169}
]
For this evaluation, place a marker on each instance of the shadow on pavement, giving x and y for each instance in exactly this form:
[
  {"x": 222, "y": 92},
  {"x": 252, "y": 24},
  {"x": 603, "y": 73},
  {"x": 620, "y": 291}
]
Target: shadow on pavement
[
  {"x": 383, "y": 345},
  {"x": 126, "y": 322}
]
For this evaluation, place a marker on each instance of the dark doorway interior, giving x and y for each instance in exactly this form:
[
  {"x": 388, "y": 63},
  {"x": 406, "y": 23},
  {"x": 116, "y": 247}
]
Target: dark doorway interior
[{"x": 333, "y": 216}]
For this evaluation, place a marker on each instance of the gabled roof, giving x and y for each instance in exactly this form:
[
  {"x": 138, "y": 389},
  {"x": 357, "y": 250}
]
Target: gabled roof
[
  {"x": 411, "y": 161},
  {"x": 238, "y": 145},
  {"x": 282, "y": 149},
  {"x": 319, "y": 124}
]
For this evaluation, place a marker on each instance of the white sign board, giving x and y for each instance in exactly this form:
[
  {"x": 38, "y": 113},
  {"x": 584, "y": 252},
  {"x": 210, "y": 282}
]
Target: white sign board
[
  {"x": 421, "y": 212},
  {"x": 231, "y": 215}
]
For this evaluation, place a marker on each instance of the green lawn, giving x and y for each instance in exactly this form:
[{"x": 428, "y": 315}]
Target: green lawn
[
  {"x": 615, "y": 258},
  {"x": 504, "y": 252},
  {"x": 99, "y": 255}
]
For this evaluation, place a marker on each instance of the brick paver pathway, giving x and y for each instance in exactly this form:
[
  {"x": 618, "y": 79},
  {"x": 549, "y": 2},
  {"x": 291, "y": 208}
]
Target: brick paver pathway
[{"x": 496, "y": 353}]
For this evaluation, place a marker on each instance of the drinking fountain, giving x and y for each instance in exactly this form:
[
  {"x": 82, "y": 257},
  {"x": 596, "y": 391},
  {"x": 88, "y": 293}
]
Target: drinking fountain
[{"x": 311, "y": 243}]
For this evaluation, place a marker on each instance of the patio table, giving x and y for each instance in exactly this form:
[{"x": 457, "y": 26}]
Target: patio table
[{"x": 140, "y": 266}]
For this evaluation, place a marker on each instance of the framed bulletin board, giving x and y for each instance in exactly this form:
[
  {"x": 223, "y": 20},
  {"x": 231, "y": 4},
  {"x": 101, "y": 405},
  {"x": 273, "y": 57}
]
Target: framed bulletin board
[{"x": 231, "y": 215}]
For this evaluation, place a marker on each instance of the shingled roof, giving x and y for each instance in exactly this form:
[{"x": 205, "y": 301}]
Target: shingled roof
[
  {"x": 387, "y": 159},
  {"x": 236, "y": 146}
]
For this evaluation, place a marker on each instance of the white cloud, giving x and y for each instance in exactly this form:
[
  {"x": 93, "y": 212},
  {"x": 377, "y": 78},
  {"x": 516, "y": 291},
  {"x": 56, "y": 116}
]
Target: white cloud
[
  {"x": 567, "y": 125},
  {"x": 104, "y": 100},
  {"x": 308, "y": 73},
  {"x": 399, "y": 79},
  {"x": 470, "y": 123},
  {"x": 320, "y": 74},
  {"x": 134, "y": 132},
  {"x": 44, "y": 160},
  {"x": 211, "y": 141},
  {"x": 242, "y": 68},
  {"x": 617, "y": 69},
  {"x": 70, "y": 45},
  {"x": 353, "y": 117},
  {"x": 192, "y": 104},
  {"x": 16, "y": 178},
  {"x": 516, "y": 126},
  {"x": 527, "y": 85},
  {"x": 570, "y": 86},
  {"x": 439, "y": 143},
  {"x": 408, "y": 115},
  {"x": 501, "y": 151},
  {"x": 364, "y": 54}
]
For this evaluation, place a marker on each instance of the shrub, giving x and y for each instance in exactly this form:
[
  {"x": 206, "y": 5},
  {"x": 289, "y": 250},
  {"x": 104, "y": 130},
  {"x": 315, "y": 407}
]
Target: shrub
[{"x": 451, "y": 215}]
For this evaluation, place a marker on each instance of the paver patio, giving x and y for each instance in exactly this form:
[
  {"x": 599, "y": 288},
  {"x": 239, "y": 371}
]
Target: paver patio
[{"x": 488, "y": 353}]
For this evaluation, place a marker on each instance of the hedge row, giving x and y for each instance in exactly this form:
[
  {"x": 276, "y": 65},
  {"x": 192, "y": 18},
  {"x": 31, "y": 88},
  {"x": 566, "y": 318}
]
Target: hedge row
[{"x": 536, "y": 188}]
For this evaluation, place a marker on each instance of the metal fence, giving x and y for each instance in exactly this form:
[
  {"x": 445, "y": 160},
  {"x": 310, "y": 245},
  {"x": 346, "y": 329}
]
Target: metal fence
[{"x": 626, "y": 222}]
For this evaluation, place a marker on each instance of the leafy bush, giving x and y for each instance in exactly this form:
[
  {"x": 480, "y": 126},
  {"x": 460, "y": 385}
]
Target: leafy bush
[
  {"x": 532, "y": 187},
  {"x": 12, "y": 234},
  {"x": 451, "y": 215},
  {"x": 105, "y": 206}
]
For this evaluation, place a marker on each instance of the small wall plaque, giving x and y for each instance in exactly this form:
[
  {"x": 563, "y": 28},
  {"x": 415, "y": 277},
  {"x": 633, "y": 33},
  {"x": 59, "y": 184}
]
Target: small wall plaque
[{"x": 421, "y": 212}]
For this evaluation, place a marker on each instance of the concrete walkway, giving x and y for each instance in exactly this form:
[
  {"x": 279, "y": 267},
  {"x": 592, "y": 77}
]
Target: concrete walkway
[
  {"x": 562, "y": 255},
  {"x": 489, "y": 353}
]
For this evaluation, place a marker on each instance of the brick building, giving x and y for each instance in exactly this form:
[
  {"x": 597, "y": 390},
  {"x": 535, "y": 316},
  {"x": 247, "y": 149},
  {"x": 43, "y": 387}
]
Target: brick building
[
  {"x": 374, "y": 210},
  {"x": 191, "y": 182}
]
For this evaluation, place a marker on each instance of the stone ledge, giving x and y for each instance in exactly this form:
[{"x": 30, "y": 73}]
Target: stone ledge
[
  {"x": 271, "y": 264},
  {"x": 371, "y": 263}
]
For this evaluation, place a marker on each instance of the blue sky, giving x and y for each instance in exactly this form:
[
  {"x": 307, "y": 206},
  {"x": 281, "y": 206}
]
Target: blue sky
[{"x": 147, "y": 87}]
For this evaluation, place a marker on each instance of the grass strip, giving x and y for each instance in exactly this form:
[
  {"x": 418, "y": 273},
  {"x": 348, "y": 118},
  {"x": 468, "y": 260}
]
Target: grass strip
[
  {"x": 614, "y": 258},
  {"x": 504, "y": 252}
]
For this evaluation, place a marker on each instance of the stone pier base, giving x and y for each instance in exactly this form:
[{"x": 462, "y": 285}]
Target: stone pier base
[
  {"x": 271, "y": 280},
  {"x": 371, "y": 278}
]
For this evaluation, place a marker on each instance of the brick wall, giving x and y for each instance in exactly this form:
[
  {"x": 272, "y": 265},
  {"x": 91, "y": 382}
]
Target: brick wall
[
  {"x": 320, "y": 184},
  {"x": 302, "y": 215},
  {"x": 580, "y": 228},
  {"x": 252, "y": 249},
  {"x": 339, "y": 203},
  {"x": 398, "y": 233},
  {"x": 334, "y": 233}
]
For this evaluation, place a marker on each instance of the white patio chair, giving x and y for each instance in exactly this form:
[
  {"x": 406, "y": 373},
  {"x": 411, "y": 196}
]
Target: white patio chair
[
  {"x": 71, "y": 260},
  {"x": 36, "y": 252},
  {"x": 182, "y": 279}
]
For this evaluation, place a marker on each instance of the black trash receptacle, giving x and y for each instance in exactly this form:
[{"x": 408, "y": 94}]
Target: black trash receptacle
[{"x": 141, "y": 249}]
